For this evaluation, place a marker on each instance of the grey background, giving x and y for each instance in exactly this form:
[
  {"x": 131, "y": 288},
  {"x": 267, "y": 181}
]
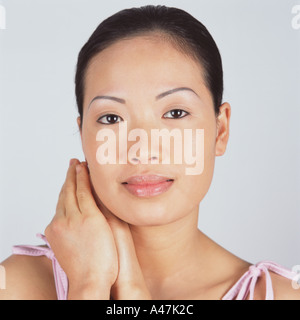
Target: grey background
[{"x": 253, "y": 205}]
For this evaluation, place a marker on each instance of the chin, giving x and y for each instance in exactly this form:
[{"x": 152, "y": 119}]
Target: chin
[
  {"x": 147, "y": 222},
  {"x": 148, "y": 215}
]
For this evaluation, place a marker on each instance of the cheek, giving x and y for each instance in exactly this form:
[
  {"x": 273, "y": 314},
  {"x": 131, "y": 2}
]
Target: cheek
[
  {"x": 104, "y": 183},
  {"x": 91, "y": 147},
  {"x": 100, "y": 174},
  {"x": 197, "y": 177},
  {"x": 100, "y": 145}
]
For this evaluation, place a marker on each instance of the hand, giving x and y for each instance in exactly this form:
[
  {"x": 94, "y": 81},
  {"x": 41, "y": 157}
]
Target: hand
[
  {"x": 130, "y": 283},
  {"x": 82, "y": 239}
]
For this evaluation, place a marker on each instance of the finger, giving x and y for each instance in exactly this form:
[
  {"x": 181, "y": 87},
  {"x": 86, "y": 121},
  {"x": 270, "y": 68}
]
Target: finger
[
  {"x": 60, "y": 206},
  {"x": 70, "y": 199},
  {"x": 86, "y": 201},
  {"x": 124, "y": 242},
  {"x": 65, "y": 190},
  {"x": 59, "y": 211},
  {"x": 130, "y": 272}
]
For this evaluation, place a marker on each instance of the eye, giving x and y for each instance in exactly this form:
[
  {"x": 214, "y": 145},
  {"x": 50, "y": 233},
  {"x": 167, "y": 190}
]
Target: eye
[
  {"x": 177, "y": 113},
  {"x": 110, "y": 119}
]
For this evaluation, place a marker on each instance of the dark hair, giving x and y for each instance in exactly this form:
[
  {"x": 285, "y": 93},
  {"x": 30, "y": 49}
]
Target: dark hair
[{"x": 175, "y": 25}]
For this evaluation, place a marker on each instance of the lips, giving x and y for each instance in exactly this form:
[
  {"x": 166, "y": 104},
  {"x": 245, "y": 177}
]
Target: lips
[
  {"x": 146, "y": 179},
  {"x": 148, "y": 185}
]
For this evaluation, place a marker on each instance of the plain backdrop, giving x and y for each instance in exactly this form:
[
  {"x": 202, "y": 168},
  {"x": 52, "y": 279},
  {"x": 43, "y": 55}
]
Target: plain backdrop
[{"x": 253, "y": 205}]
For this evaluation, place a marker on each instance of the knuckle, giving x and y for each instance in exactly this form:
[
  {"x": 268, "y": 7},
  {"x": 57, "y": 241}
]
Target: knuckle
[
  {"x": 81, "y": 195},
  {"x": 55, "y": 227},
  {"x": 71, "y": 224},
  {"x": 90, "y": 223},
  {"x": 68, "y": 188},
  {"x": 70, "y": 205}
]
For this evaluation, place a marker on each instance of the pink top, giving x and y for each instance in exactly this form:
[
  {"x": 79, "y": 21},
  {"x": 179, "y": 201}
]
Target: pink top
[{"x": 239, "y": 291}]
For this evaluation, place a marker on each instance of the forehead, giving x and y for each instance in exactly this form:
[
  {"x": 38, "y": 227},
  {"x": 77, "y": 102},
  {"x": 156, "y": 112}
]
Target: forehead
[{"x": 141, "y": 63}]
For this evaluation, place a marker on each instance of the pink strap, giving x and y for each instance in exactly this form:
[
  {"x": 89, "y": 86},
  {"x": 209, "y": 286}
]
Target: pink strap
[
  {"x": 61, "y": 280},
  {"x": 248, "y": 281}
]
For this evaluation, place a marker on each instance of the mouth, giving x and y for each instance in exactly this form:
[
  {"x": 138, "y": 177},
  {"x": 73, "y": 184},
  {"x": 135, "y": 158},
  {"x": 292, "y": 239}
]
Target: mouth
[{"x": 148, "y": 185}]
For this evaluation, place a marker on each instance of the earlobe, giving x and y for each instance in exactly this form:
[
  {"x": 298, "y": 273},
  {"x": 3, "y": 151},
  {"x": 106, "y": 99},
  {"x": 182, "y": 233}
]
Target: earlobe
[
  {"x": 79, "y": 123},
  {"x": 223, "y": 121}
]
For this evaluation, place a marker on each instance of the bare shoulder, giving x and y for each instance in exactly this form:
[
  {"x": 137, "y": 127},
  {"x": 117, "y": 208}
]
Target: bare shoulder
[
  {"x": 29, "y": 278},
  {"x": 282, "y": 288}
]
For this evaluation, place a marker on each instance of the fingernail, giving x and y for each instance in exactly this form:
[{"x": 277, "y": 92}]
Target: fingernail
[
  {"x": 86, "y": 166},
  {"x": 78, "y": 168},
  {"x": 72, "y": 161}
]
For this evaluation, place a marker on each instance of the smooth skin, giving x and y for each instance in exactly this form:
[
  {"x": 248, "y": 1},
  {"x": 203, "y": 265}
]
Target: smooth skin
[
  {"x": 76, "y": 228},
  {"x": 112, "y": 244}
]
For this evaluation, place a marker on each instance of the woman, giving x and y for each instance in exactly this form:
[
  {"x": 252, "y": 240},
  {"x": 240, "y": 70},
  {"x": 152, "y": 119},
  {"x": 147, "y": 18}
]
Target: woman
[{"x": 128, "y": 229}]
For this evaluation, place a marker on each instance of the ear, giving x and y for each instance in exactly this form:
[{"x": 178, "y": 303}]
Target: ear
[
  {"x": 78, "y": 123},
  {"x": 223, "y": 128}
]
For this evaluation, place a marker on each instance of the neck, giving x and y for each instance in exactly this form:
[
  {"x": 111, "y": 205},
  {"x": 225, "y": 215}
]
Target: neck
[{"x": 165, "y": 252}]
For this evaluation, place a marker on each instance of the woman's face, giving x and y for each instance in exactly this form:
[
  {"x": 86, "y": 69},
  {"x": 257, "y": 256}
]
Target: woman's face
[{"x": 138, "y": 71}]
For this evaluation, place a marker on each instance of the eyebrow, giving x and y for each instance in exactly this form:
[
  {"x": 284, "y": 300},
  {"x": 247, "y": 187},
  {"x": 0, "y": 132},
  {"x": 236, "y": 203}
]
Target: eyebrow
[{"x": 160, "y": 96}]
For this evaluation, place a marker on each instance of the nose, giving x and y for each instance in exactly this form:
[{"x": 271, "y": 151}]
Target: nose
[
  {"x": 146, "y": 150},
  {"x": 144, "y": 153},
  {"x": 137, "y": 160}
]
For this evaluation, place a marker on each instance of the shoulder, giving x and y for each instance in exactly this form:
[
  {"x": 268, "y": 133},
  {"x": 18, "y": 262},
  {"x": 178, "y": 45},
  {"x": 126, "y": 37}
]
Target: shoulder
[
  {"x": 282, "y": 287},
  {"x": 29, "y": 278}
]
